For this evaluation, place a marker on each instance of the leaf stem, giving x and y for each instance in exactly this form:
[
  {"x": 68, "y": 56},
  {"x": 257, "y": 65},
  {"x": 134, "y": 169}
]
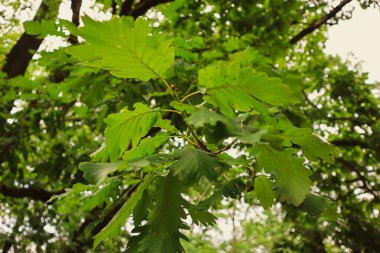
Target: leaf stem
[
  {"x": 204, "y": 193},
  {"x": 174, "y": 94},
  {"x": 167, "y": 110},
  {"x": 189, "y": 95},
  {"x": 225, "y": 148}
]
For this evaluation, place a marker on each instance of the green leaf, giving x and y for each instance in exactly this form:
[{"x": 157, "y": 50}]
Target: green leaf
[
  {"x": 264, "y": 191},
  {"x": 231, "y": 87},
  {"x": 313, "y": 146},
  {"x": 97, "y": 172},
  {"x": 142, "y": 209},
  {"x": 127, "y": 49},
  {"x": 127, "y": 128},
  {"x": 42, "y": 29},
  {"x": 183, "y": 107},
  {"x": 200, "y": 216},
  {"x": 161, "y": 234},
  {"x": 193, "y": 164},
  {"x": 168, "y": 211},
  {"x": 146, "y": 147},
  {"x": 231, "y": 189},
  {"x": 315, "y": 205},
  {"x": 224, "y": 127},
  {"x": 292, "y": 178},
  {"x": 204, "y": 117},
  {"x": 103, "y": 194},
  {"x": 119, "y": 219}
]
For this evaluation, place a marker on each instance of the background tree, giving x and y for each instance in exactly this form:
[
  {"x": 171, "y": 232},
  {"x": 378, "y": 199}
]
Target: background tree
[{"x": 53, "y": 110}]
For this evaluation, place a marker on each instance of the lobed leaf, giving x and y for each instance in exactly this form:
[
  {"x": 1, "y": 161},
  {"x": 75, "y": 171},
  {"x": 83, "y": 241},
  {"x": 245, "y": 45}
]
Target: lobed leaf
[
  {"x": 292, "y": 177},
  {"x": 231, "y": 87},
  {"x": 127, "y": 49}
]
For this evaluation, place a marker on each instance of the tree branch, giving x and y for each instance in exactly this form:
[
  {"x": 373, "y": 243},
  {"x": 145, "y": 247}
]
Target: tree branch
[
  {"x": 318, "y": 23},
  {"x": 75, "y": 7},
  {"x": 32, "y": 193},
  {"x": 126, "y": 8},
  {"x": 144, "y": 6},
  {"x": 350, "y": 143}
]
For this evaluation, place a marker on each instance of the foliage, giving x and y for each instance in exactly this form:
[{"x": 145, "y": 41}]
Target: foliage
[{"x": 152, "y": 128}]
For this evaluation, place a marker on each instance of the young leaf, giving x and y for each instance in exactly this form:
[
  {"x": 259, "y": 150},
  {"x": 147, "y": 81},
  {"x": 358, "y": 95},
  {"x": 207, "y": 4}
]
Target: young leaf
[
  {"x": 122, "y": 215},
  {"x": 127, "y": 128},
  {"x": 292, "y": 178},
  {"x": 127, "y": 49},
  {"x": 231, "y": 87}
]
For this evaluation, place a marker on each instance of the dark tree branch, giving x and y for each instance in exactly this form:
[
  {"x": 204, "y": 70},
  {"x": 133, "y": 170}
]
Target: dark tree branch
[
  {"x": 318, "y": 23},
  {"x": 350, "y": 143},
  {"x": 32, "y": 193},
  {"x": 75, "y": 7},
  {"x": 144, "y": 6},
  {"x": 126, "y": 8},
  {"x": 354, "y": 167}
]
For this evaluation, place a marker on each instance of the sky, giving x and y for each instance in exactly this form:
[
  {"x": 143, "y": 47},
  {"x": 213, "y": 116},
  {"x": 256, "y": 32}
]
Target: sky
[{"x": 359, "y": 36}]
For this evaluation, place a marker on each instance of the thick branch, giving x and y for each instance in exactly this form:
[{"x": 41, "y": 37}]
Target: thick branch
[
  {"x": 144, "y": 6},
  {"x": 75, "y": 7},
  {"x": 350, "y": 143},
  {"x": 32, "y": 193},
  {"x": 126, "y": 8},
  {"x": 318, "y": 23}
]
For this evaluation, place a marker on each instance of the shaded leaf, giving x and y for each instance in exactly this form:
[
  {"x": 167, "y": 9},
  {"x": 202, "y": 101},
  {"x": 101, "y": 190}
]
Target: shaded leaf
[
  {"x": 264, "y": 191},
  {"x": 119, "y": 219},
  {"x": 292, "y": 177}
]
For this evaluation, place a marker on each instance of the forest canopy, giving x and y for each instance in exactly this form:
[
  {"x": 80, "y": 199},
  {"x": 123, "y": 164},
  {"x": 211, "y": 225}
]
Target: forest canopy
[{"x": 162, "y": 126}]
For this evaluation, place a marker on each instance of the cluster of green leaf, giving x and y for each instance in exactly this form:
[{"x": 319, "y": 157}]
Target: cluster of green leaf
[
  {"x": 250, "y": 101},
  {"x": 148, "y": 128}
]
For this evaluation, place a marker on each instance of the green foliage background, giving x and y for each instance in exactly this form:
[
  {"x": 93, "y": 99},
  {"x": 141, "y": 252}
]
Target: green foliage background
[{"x": 149, "y": 130}]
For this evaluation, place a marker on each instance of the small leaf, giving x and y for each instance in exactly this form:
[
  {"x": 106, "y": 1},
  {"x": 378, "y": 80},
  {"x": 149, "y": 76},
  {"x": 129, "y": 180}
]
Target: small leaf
[
  {"x": 183, "y": 107},
  {"x": 42, "y": 29},
  {"x": 127, "y": 128},
  {"x": 264, "y": 191}
]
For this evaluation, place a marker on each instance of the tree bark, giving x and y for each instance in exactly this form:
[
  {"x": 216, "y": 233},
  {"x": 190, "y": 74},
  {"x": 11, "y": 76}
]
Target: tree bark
[
  {"x": 31, "y": 193},
  {"x": 75, "y": 7}
]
